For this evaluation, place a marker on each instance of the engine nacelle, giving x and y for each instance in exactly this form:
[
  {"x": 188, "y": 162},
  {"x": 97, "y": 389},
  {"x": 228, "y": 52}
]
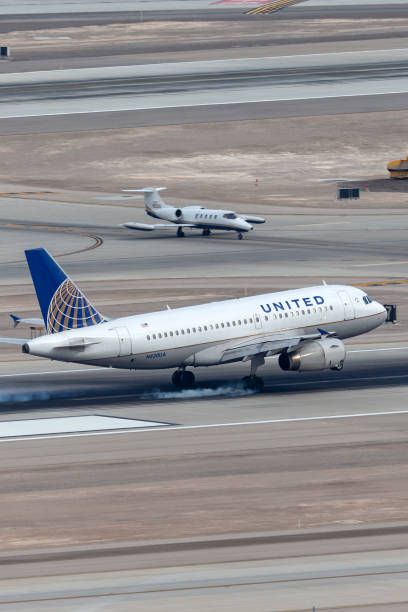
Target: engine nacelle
[
  {"x": 178, "y": 213},
  {"x": 315, "y": 355}
]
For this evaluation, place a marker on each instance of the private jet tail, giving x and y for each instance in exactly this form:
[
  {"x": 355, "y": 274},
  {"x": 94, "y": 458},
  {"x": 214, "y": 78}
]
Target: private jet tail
[
  {"x": 62, "y": 304},
  {"x": 152, "y": 199}
]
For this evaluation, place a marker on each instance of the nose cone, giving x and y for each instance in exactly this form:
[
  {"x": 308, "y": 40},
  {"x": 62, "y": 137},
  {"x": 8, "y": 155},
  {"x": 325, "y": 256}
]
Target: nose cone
[
  {"x": 382, "y": 312},
  {"x": 243, "y": 226}
]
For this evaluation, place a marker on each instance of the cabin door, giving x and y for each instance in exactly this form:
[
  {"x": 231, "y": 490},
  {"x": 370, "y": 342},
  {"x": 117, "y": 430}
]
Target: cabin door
[
  {"x": 125, "y": 341},
  {"x": 347, "y": 305}
]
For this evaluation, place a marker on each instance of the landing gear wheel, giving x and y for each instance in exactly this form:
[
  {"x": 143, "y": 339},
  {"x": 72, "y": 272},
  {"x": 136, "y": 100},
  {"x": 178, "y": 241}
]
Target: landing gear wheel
[
  {"x": 176, "y": 378},
  {"x": 183, "y": 379},
  {"x": 187, "y": 379},
  {"x": 338, "y": 367},
  {"x": 253, "y": 383},
  {"x": 240, "y": 236},
  {"x": 206, "y": 232},
  {"x": 180, "y": 233}
]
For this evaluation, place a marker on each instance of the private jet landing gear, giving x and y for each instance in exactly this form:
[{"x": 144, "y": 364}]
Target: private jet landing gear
[
  {"x": 183, "y": 379},
  {"x": 206, "y": 232},
  {"x": 180, "y": 233},
  {"x": 240, "y": 236},
  {"x": 253, "y": 382}
]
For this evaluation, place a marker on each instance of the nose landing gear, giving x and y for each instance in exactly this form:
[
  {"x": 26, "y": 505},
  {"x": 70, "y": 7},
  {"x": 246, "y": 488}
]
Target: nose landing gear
[
  {"x": 180, "y": 233},
  {"x": 240, "y": 236},
  {"x": 183, "y": 379}
]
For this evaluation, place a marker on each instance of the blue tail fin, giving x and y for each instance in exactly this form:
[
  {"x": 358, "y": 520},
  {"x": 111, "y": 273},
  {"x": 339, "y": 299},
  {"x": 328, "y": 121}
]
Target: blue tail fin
[{"x": 62, "y": 304}]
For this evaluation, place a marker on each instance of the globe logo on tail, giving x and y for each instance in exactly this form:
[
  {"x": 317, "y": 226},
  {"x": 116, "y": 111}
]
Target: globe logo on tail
[{"x": 69, "y": 309}]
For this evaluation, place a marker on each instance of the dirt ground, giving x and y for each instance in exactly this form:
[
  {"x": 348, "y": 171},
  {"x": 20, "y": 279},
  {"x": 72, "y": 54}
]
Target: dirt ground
[
  {"x": 292, "y": 158},
  {"x": 242, "y": 33}
]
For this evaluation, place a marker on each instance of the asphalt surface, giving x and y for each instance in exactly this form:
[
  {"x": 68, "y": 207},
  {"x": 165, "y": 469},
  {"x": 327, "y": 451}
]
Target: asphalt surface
[
  {"x": 203, "y": 91},
  {"x": 296, "y": 496}
]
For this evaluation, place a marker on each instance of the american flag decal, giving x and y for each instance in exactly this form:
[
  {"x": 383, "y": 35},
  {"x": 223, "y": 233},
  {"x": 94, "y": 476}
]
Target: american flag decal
[{"x": 144, "y": 324}]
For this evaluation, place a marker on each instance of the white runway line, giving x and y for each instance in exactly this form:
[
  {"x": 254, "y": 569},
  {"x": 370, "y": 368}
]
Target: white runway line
[
  {"x": 51, "y": 372},
  {"x": 176, "y": 428},
  {"x": 74, "y": 424}
]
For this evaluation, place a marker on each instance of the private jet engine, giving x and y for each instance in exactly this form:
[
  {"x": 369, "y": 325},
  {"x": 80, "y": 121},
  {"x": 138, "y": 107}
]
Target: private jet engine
[
  {"x": 315, "y": 355},
  {"x": 178, "y": 213}
]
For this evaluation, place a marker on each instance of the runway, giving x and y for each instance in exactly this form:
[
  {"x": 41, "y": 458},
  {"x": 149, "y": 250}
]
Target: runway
[
  {"x": 306, "y": 435},
  {"x": 191, "y": 85}
]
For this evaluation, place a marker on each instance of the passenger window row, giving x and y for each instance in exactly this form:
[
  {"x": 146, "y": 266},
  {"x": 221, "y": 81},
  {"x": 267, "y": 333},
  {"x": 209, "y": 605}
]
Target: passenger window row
[
  {"x": 202, "y": 216},
  {"x": 239, "y": 322},
  {"x": 199, "y": 329}
]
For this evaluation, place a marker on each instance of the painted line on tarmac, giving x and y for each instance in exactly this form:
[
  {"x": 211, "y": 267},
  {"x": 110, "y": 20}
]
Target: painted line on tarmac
[
  {"x": 377, "y": 350},
  {"x": 137, "y": 107},
  {"x": 55, "y": 228},
  {"x": 176, "y": 428},
  {"x": 51, "y": 372}
]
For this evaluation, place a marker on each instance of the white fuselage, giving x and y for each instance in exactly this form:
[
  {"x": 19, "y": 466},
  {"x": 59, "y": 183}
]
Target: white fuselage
[
  {"x": 200, "y": 335},
  {"x": 202, "y": 217}
]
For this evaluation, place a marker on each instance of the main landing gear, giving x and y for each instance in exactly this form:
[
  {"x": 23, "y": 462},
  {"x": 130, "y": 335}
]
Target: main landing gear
[
  {"x": 183, "y": 379},
  {"x": 206, "y": 232},
  {"x": 240, "y": 236},
  {"x": 180, "y": 233},
  {"x": 253, "y": 382}
]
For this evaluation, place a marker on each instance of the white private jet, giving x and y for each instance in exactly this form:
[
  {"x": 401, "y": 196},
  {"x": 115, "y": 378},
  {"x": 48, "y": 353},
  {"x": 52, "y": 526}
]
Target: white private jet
[
  {"x": 304, "y": 327},
  {"x": 189, "y": 217}
]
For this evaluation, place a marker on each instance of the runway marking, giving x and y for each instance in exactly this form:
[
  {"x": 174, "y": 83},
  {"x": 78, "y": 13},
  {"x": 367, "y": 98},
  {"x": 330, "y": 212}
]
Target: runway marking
[
  {"x": 224, "y": 585},
  {"x": 231, "y": 102},
  {"x": 78, "y": 232},
  {"x": 175, "y": 428},
  {"x": 393, "y": 348},
  {"x": 402, "y": 281},
  {"x": 272, "y": 7},
  {"x": 383, "y": 263},
  {"x": 318, "y": 224},
  {"x": 51, "y": 372},
  {"x": 24, "y": 193},
  {"x": 27, "y": 428}
]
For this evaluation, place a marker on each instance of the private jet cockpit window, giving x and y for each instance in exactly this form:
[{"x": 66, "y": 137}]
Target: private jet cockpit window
[{"x": 230, "y": 216}]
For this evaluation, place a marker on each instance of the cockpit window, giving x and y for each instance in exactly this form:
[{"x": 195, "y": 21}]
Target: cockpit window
[
  {"x": 229, "y": 216},
  {"x": 367, "y": 299}
]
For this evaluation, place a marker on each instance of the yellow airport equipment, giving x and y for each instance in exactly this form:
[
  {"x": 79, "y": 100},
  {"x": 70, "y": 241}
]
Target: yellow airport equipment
[{"x": 398, "y": 168}]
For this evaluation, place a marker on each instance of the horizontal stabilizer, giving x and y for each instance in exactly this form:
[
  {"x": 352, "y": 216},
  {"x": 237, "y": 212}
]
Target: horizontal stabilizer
[
  {"x": 34, "y": 322},
  {"x": 14, "y": 340}
]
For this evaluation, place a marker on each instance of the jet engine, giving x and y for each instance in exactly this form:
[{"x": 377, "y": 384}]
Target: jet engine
[
  {"x": 315, "y": 355},
  {"x": 178, "y": 213}
]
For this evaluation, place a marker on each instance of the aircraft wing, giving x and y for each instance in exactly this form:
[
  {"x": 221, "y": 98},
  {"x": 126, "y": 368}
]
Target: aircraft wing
[
  {"x": 267, "y": 345},
  {"x": 251, "y": 218},
  {"x": 145, "y": 227}
]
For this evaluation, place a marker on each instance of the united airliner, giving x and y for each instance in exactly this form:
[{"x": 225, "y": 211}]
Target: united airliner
[{"x": 305, "y": 328}]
